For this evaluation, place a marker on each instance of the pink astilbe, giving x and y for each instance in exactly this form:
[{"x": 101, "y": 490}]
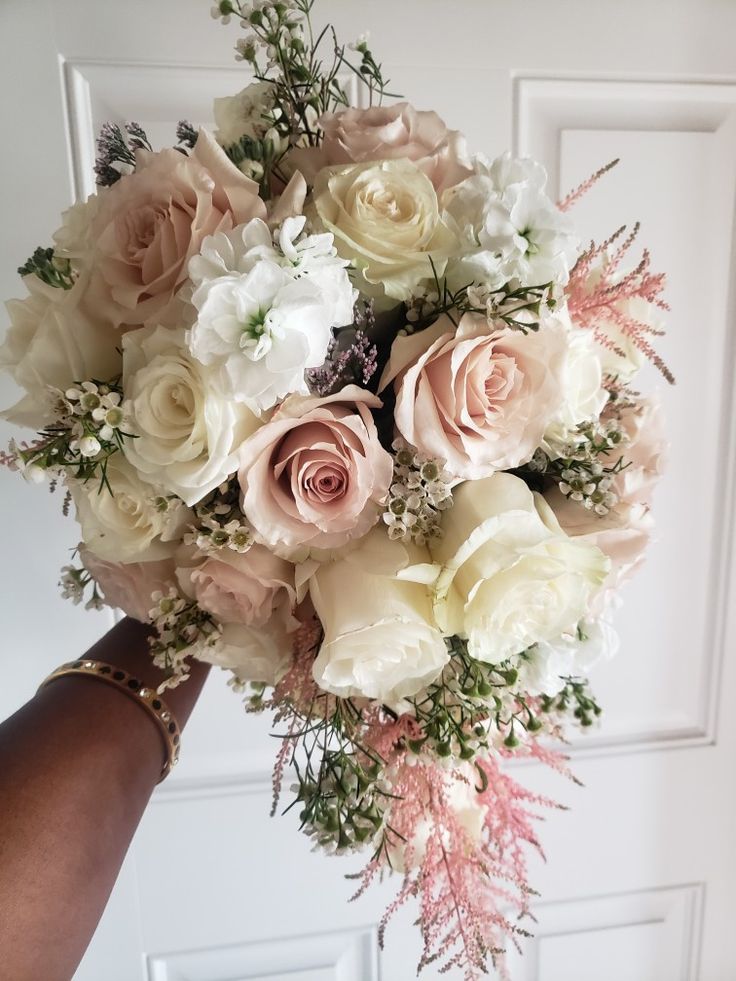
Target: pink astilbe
[
  {"x": 574, "y": 196},
  {"x": 598, "y": 292},
  {"x": 292, "y": 699},
  {"x": 469, "y": 877}
]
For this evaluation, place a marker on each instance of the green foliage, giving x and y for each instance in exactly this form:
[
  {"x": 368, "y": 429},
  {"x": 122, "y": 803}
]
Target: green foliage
[
  {"x": 574, "y": 699},
  {"x": 50, "y": 269},
  {"x": 518, "y": 307},
  {"x": 282, "y": 47},
  {"x": 61, "y": 445}
]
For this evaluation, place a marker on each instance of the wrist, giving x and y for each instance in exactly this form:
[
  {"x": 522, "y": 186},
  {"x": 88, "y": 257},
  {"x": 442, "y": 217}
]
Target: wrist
[{"x": 126, "y": 646}]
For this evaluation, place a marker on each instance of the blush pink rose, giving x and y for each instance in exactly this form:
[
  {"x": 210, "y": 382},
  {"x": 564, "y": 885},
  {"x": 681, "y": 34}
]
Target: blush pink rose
[
  {"x": 151, "y": 222},
  {"x": 645, "y": 451},
  {"x": 128, "y": 586},
  {"x": 260, "y": 654},
  {"x": 478, "y": 399},
  {"x": 254, "y": 587},
  {"x": 624, "y": 533},
  {"x": 388, "y": 133},
  {"x": 316, "y": 475}
]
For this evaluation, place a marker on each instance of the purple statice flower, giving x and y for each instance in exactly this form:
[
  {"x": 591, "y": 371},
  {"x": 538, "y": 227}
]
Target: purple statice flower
[
  {"x": 116, "y": 148},
  {"x": 351, "y": 358},
  {"x": 353, "y": 365}
]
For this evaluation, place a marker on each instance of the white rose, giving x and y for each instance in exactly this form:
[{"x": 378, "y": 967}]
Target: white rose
[
  {"x": 74, "y": 240},
  {"x": 386, "y": 221},
  {"x": 510, "y": 576},
  {"x": 260, "y": 654},
  {"x": 127, "y": 525},
  {"x": 545, "y": 664},
  {"x": 188, "y": 432},
  {"x": 381, "y": 640},
  {"x": 52, "y": 343},
  {"x": 243, "y": 114},
  {"x": 583, "y": 394}
]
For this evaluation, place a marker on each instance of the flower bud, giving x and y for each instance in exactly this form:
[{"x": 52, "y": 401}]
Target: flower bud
[{"x": 89, "y": 446}]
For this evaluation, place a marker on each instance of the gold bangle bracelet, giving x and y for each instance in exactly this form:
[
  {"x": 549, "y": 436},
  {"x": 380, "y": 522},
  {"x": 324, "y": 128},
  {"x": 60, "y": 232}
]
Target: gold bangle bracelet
[{"x": 148, "y": 698}]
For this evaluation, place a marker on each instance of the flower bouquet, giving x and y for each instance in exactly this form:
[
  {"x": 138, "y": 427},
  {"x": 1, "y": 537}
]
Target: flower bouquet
[{"x": 348, "y": 412}]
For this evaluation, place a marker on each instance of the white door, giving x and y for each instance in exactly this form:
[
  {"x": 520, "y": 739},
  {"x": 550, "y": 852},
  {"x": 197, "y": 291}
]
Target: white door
[{"x": 640, "y": 882}]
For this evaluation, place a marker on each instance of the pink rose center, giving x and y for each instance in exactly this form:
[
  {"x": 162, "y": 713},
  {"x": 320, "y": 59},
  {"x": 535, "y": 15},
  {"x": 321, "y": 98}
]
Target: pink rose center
[
  {"x": 324, "y": 482},
  {"x": 484, "y": 381},
  {"x": 500, "y": 382},
  {"x": 137, "y": 230}
]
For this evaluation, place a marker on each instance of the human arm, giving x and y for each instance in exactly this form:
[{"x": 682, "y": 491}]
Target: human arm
[{"x": 78, "y": 764}]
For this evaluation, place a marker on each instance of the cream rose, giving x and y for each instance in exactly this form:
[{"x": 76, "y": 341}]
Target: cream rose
[
  {"x": 583, "y": 394},
  {"x": 380, "y": 636},
  {"x": 73, "y": 240},
  {"x": 188, "y": 432},
  {"x": 254, "y": 587},
  {"x": 261, "y": 654},
  {"x": 388, "y": 133},
  {"x": 510, "y": 576},
  {"x": 127, "y": 525},
  {"x": 385, "y": 219},
  {"x": 316, "y": 475},
  {"x": 52, "y": 343},
  {"x": 128, "y": 586},
  {"x": 480, "y": 400},
  {"x": 151, "y": 222}
]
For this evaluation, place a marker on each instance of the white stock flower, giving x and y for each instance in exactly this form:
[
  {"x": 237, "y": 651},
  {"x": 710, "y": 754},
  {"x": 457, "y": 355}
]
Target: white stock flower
[
  {"x": 266, "y": 311},
  {"x": 546, "y": 663},
  {"x": 381, "y": 640},
  {"x": 508, "y": 226},
  {"x": 124, "y": 524},
  {"x": 188, "y": 432},
  {"x": 510, "y": 576}
]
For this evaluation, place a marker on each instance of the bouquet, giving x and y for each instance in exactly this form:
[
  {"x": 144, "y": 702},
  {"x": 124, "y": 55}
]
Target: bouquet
[{"x": 349, "y": 413}]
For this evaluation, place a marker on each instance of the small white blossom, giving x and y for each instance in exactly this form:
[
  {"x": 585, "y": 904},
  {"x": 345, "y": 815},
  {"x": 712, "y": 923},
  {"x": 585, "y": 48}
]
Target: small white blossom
[
  {"x": 419, "y": 492},
  {"x": 361, "y": 42},
  {"x": 88, "y": 446}
]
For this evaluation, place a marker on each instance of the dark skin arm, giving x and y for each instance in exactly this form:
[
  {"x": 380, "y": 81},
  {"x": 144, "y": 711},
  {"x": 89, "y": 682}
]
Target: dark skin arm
[{"x": 78, "y": 764}]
